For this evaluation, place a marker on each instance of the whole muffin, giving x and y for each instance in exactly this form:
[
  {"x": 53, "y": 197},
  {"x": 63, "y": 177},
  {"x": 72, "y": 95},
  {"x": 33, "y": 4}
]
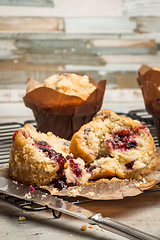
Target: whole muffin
[{"x": 64, "y": 102}]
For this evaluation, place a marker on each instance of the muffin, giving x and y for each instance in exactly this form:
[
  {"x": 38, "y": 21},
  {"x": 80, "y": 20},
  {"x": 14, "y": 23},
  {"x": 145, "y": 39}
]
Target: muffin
[
  {"x": 64, "y": 102},
  {"x": 149, "y": 81},
  {"x": 38, "y": 159},
  {"x": 113, "y": 146}
]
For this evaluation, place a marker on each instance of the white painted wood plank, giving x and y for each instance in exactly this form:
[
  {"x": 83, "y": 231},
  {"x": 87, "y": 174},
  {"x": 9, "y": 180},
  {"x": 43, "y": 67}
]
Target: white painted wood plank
[
  {"x": 141, "y": 7},
  {"x": 147, "y": 59},
  {"x": 123, "y": 107},
  {"x": 12, "y": 95},
  {"x": 7, "y": 44},
  {"x": 13, "y": 109},
  {"x": 8, "y": 49},
  {"x": 147, "y": 24},
  {"x": 123, "y": 95},
  {"x": 109, "y": 67},
  {"x": 68, "y": 8},
  {"x": 99, "y": 25},
  {"x": 88, "y": 8},
  {"x": 17, "y": 112},
  {"x": 8, "y": 54},
  {"x": 111, "y": 95}
]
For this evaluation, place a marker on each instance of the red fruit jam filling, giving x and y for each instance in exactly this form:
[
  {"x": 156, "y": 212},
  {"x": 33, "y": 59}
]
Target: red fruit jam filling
[
  {"x": 22, "y": 132},
  {"x": 14, "y": 135},
  {"x": 124, "y": 139},
  {"x": 52, "y": 154},
  {"x": 32, "y": 189},
  {"x": 76, "y": 170},
  {"x": 61, "y": 184},
  {"x": 90, "y": 169},
  {"x": 129, "y": 165}
]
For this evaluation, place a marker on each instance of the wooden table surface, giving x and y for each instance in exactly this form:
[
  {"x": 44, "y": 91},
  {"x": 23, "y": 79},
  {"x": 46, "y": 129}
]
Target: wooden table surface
[{"x": 141, "y": 212}]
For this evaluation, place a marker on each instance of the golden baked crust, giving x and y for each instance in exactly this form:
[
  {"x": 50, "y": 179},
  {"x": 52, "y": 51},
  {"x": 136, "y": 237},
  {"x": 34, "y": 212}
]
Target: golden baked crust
[
  {"x": 28, "y": 162},
  {"x": 113, "y": 145},
  {"x": 71, "y": 84}
]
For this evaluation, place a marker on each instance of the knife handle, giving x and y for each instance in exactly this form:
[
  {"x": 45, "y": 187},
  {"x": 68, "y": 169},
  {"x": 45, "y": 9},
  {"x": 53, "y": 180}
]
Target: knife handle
[{"x": 121, "y": 229}]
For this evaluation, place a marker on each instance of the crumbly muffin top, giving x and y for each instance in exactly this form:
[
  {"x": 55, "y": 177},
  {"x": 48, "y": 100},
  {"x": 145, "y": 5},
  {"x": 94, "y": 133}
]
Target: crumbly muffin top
[{"x": 71, "y": 84}]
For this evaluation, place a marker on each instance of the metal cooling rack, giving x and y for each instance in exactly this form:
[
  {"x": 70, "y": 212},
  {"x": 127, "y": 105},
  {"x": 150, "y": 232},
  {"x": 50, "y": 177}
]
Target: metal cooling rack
[
  {"x": 145, "y": 119},
  {"x": 6, "y": 133}
]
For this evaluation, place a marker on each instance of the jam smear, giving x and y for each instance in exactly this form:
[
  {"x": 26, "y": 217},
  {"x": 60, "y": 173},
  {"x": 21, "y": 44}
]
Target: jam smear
[
  {"x": 52, "y": 154},
  {"x": 32, "y": 189},
  {"x": 61, "y": 184},
  {"x": 43, "y": 144},
  {"x": 22, "y": 132},
  {"x": 90, "y": 169},
  {"x": 129, "y": 165},
  {"x": 63, "y": 74},
  {"x": 74, "y": 166},
  {"x": 123, "y": 139},
  {"x": 14, "y": 135},
  {"x": 68, "y": 157},
  {"x": 61, "y": 161},
  {"x": 131, "y": 144}
]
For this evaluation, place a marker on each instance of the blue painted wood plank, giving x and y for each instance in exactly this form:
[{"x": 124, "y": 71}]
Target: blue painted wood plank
[
  {"x": 31, "y": 3},
  {"x": 55, "y": 35}
]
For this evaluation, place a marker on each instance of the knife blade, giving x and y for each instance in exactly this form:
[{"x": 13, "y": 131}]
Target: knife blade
[{"x": 24, "y": 192}]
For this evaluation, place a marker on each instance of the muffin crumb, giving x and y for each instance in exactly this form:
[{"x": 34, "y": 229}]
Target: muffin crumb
[
  {"x": 84, "y": 228},
  {"x": 91, "y": 226},
  {"x": 22, "y": 218}
]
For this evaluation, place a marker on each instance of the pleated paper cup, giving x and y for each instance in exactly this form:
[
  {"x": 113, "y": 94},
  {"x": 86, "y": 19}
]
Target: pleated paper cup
[
  {"x": 149, "y": 81},
  {"x": 59, "y": 113}
]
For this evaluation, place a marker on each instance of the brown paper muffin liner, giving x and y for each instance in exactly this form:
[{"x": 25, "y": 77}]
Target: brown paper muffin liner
[
  {"x": 149, "y": 81},
  {"x": 110, "y": 189},
  {"x": 59, "y": 113}
]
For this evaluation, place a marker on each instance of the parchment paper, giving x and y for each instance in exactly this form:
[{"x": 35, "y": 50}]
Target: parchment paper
[{"x": 110, "y": 189}]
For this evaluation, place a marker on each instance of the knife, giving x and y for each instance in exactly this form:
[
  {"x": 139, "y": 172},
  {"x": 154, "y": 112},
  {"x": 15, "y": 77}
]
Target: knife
[{"x": 24, "y": 192}]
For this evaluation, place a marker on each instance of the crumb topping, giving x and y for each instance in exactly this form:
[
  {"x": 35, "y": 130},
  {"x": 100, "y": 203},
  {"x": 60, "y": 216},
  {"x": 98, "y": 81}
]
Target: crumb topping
[{"x": 71, "y": 84}]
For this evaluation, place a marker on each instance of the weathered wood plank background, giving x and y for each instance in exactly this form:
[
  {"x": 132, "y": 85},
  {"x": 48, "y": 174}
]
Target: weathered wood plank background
[{"x": 103, "y": 39}]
